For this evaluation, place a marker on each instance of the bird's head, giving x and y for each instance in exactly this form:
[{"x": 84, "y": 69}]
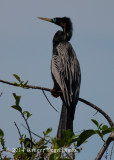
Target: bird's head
[{"x": 63, "y": 22}]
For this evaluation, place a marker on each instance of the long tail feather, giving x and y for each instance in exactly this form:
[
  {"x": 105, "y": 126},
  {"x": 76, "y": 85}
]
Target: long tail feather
[{"x": 66, "y": 122}]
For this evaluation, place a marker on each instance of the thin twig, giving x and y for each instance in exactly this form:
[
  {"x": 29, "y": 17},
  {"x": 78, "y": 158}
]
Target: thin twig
[
  {"x": 19, "y": 133},
  {"x": 7, "y": 151},
  {"x": 95, "y": 113},
  {"x": 1, "y": 94},
  {"x": 49, "y": 101},
  {"x": 28, "y": 128},
  {"x": 67, "y": 154},
  {"x": 35, "y": 134}
]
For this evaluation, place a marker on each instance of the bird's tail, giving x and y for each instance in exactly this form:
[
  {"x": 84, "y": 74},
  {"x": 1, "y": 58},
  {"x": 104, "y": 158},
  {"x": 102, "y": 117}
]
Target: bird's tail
[{"x": 66, "y": 122}]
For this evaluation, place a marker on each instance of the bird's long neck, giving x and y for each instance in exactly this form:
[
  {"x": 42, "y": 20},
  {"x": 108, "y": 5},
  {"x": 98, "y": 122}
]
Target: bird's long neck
[
  {"x": 67, "y": 32},
  {"x": 63, "y": 36}
]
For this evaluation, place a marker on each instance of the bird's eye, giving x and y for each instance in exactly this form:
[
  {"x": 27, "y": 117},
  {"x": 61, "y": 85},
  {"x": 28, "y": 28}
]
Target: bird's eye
[{"x": 54, "y": 19}]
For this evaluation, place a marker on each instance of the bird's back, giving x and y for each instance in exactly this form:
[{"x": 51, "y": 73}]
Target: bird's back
[{"x": 66, "y": 72}]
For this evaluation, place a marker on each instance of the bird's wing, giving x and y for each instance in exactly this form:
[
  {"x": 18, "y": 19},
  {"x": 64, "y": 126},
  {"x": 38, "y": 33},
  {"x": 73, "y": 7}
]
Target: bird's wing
[{"x": 66, "y": 71}]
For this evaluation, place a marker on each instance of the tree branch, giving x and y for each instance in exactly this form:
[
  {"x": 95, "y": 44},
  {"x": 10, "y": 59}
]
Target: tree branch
[
  {"x": 99, "y": 110},
  {"x": 80, "y": 99},
  {"x": 105, "y": 146},
  {"x": 29, "y": 86}
]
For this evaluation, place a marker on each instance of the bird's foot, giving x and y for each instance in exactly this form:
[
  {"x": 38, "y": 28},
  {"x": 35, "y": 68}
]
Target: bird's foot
[{"x": 55, "y": 94}]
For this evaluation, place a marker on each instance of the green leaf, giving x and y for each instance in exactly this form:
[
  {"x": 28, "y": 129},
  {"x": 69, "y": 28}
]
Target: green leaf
[
  {"x": 17, "y": 98},
  {"x": 85, "y": 135},
  {"x": 53, "y": 156},
  {"x": 104, "y": 127},
  {"x": 58, "y": 157},
  {"x": 20, "y": 152},
  {"x": 48, "y": 130},
  {"x": 95, "y": 122},
  {"x": 79, "y": 150},
  {"x": 100, "y": 126},
  {"x": 27, "y": 142},
  {"x": 108, "y": 130},
  {"x": 68, "y": 134},
  {"x": 2, "y": 142},
  {"x": 60, "y": 142},
  {"x": 75, "y": 140},
  {"x": 16, "y": 84},
  {"x": 98, "y": 132},
  {"x": 1, "y": 133},
  {"x": 14, "y": 95},
  {"x": 17, "y": 77},
  {"x": 28, "y": 114},
  {"x": 26, "y": 83},
  {"x": 18, "y": 108},
  {"x": 33, "y": 156}
]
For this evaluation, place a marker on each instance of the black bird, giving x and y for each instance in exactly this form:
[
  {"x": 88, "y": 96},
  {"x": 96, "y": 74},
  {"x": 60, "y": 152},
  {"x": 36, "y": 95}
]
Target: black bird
[{"x": 66, "y": 73}]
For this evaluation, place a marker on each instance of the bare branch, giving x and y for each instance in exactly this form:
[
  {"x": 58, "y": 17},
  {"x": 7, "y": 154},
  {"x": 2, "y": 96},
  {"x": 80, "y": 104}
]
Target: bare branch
[
  {"x": 99, "y": 110},
  {"x": 18, "y": 132},
  {"x": 49, "y": 101},
  {"x": 105, "y": 146}
]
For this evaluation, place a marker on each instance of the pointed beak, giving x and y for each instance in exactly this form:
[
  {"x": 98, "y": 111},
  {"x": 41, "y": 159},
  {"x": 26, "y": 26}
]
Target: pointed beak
[{"x": 45, "y": 19}]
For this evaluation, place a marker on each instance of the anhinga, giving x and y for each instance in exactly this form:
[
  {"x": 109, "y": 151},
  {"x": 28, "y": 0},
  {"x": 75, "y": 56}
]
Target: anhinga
[{"x": 66, "y": 73}]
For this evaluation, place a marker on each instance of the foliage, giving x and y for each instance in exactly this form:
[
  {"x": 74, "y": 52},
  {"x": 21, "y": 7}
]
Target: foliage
[
  {"x": 64, "y": 148},
  {"x": 60, "y": 149},
  {"x": 21, "y": 83}
]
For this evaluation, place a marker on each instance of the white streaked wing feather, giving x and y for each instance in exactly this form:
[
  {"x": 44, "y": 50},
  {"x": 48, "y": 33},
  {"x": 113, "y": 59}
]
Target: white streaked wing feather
[{"x": 65, "y": 69}]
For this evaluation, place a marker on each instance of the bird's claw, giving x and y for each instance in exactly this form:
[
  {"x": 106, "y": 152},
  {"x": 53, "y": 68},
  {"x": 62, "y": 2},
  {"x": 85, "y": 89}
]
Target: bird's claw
[{"x": 55, "y": 94}]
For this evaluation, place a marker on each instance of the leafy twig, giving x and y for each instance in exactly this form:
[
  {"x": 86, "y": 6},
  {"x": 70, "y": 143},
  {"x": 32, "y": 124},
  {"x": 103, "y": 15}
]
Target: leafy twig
[{"x": 28, "y": 86}]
